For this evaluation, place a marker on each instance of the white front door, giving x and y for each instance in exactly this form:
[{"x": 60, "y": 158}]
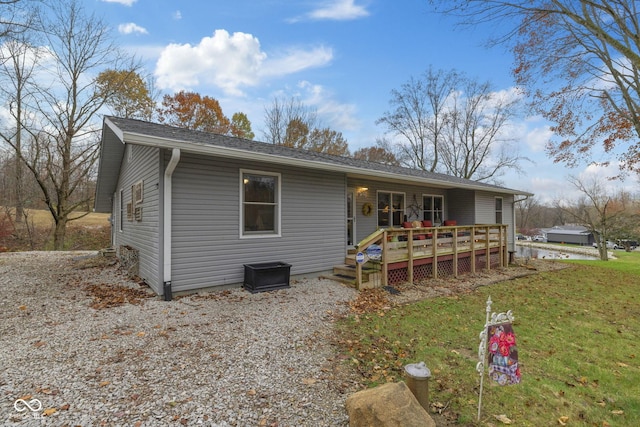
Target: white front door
[{"x": 351, "y": 217}]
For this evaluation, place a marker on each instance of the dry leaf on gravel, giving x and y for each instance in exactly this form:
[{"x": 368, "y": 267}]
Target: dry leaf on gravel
[{"x": 106, "y": 296}]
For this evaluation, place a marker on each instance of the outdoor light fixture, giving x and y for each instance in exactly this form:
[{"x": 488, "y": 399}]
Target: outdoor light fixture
[{"x": 362, "y": 191}]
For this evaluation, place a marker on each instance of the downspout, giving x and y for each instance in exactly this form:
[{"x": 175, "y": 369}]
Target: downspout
[
  {"x": 167, "y": 227},
  {"x": 513, "y": 213}
]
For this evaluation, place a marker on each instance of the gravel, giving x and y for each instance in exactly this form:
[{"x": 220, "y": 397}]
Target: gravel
[{"x": 226, "y": 358}]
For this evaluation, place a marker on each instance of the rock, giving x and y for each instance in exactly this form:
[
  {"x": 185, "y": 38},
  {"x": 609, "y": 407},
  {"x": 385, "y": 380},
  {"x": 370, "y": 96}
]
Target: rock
[{"x": 388, "y": 405}]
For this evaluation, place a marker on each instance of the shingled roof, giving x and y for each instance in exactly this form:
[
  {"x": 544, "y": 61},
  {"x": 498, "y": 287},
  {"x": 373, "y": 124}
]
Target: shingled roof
[{"x": 120, "y": 131}]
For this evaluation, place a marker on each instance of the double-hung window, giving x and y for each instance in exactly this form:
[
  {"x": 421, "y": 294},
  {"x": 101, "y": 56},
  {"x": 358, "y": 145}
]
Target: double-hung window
[
  {"x": 498, "y": 210},
  {"x": 260, "y": 200},
  {"x": 433, "y": 208},
  {"x": 391, "y": 209}
]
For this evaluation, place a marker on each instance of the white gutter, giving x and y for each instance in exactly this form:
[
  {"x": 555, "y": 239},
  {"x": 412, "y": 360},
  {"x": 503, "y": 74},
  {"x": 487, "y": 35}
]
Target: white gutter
[{"x": 168, "y": 202}]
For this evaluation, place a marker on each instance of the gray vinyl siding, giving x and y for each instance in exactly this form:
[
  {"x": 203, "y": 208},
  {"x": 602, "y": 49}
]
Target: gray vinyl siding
[
  {"x": 460, "y": 206},
  {"x": 486, "y": 208},
  {"x": 207, "y": 248},
  {"x": 486, "y": 212},
  {"x": 141, "y": 235}
]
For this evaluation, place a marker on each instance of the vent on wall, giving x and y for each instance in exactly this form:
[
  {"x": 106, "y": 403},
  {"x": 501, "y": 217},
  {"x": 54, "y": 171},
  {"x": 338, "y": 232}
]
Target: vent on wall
[{"x": 137, "y": 192}]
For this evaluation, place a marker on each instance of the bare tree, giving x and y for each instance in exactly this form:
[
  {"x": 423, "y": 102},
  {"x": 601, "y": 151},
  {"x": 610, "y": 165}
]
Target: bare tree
[
  {"x": 527, "y": 211},
  {"x": 285, "y": 115},
  {"x": 453, "y": 124},
  {"x": 419, "y": 117},
  {"x": 601, "y": 212},
  {"x": 63, "y": 138},
  {"x": 294, "y": 124},
  {"x": 580, "y": 62},
  {"x": 16, "y": 17},
  {"x": 475, "y": 146},
  {"x": 16, "y": 75}
]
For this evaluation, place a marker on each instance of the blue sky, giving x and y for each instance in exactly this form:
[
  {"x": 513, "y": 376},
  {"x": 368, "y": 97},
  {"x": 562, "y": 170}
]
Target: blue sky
[{"x": 342, "y": 57}]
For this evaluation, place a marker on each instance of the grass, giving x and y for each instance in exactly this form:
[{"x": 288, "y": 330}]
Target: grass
[
  {"x": 90, "y": 232},
  {"x": 578, "y": 336},
  {"x": 42, "y": 218}
]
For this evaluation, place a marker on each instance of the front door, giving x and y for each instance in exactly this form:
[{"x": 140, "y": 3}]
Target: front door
[{"x": 351, "y": 217}]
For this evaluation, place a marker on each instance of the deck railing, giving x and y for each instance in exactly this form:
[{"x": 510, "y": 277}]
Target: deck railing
[{"x": 411, "y": 247}]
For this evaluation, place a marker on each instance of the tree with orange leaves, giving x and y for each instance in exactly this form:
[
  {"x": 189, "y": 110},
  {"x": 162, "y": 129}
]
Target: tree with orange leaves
[
  {"x": 580, "y": 64},
  {"x": 192, "y": 111}
]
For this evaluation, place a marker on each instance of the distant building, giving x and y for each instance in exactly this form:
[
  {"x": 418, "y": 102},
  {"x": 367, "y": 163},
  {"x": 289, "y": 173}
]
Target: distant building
[{"x": 575, "y": 235}]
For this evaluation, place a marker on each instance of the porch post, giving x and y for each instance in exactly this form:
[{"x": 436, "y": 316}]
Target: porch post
[
  {"x": 434, "y": 264},
  {"x": 455, "y": 252},
  {"x": 473, "y": 249},
  {"x": 385, "y": 265},
  {"x": 487, "y": 253},
  {"x": 410, "y": 256}
]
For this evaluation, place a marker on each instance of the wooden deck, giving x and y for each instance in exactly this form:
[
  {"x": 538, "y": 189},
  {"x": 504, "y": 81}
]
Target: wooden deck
[{"x": 419, "y": 253}]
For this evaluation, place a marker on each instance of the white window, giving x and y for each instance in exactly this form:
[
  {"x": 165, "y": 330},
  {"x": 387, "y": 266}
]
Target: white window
[
  {"x": 498, "y": 210},
  {"x": 260, "y": 199},
  {"x": 433, "y": 208},
  {"x": 391, "y": 209}
]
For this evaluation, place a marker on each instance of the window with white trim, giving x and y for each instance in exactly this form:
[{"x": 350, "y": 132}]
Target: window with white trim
[
  {"x": 433, "y": 208},
  {"x": 498, "y": 210},
  {"x": 391, "y": 209},
  {"x": 260, "y": 198}
]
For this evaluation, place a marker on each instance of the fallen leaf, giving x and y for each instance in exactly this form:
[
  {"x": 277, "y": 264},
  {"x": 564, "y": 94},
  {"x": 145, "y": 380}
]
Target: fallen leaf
[
  {"x": 309, "y": 381},
  {"x": 622, "y": 365},
  {"x": 563, "y": 421},
  {"x": 503, "y": 419},
  {"x": 104, "y": 383},
  {"x": 140, "y": 334},
  {"x": 617, "y": 412},
  {"x": 23, "y": 307},
  {"x": 65, "y": 407},
  {"x": 39, "y": 343},
  {"x": 25, "y": 397},
  {"x": 251, "y": 392},
  {"x": 49, "y": 411}
]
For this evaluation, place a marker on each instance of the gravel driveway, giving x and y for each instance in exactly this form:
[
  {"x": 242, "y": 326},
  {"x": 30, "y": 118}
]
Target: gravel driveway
[{"x": 227, "y": 358}]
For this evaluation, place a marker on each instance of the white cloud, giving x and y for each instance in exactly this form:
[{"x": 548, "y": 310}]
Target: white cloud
[
  {"x": 130, "y": 28},
  {"x": 123, "y": 2},
  {"x": 177, "y": 15},
  {"x": 338, "y": 116},
  {"x": 295, "y": 60},
  {"x": 336, "y": 10},
  {"x": 537, "y": 138},
  {"x": 229, "y": 62}
]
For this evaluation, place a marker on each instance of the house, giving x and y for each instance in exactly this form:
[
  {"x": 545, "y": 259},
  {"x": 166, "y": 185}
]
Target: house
[{"x": 194, "y": 207}]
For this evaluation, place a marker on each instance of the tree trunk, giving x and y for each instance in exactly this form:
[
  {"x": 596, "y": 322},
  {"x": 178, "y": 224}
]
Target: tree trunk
[
  {"x": 18, "y": 191},
  {"x": 59, "y": 234}
]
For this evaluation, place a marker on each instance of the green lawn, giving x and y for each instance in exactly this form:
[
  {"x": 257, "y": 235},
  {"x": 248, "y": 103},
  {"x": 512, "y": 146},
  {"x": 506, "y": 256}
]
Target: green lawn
[{"x": 578, "y": 336}]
